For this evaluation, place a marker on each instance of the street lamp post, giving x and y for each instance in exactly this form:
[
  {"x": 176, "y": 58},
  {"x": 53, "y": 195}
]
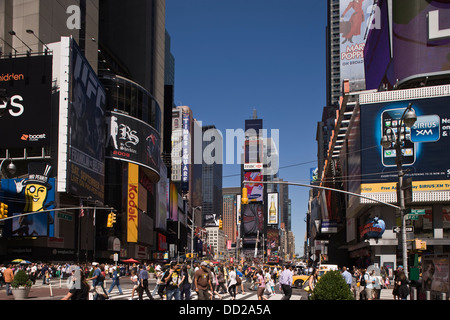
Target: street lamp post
[
  {"x": 192, "y": 234},
  {"x": 395, "y": 138}
]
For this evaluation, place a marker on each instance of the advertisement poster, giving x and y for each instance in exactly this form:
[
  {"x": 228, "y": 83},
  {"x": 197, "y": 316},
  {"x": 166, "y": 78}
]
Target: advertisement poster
[
  {"x": 86, "y": 168},
  {"x": 272, "y": 208},
  {"x": 26, "y": 118},
  {"x": 132, "y": 203},
  {"x": 254, "y": 188},
  {"x": 252, "y": 219},
  {"x": 421, "y": 39},
  {"x": 132, "y": 140},
  {"x": 355, "y": 17},
  {"x": 436, "y": 274},
  {"x": 33, "y": 194},
  {"x": 424, "y": 146}
]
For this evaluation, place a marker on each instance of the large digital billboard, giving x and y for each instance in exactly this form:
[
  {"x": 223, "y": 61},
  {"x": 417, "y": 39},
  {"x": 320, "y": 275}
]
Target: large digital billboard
[
  {"x": 411, "y": 40},
  {"x": 26, "y": 118},
  {"x": 252, "y": 221},
  {"x": 85, "y": 129},
  {"x": 132, "y": 140},
  {"x": 36, "y": 193},
  {"x": 424, "y": 147},
  {"x": 421, "y": 38}
]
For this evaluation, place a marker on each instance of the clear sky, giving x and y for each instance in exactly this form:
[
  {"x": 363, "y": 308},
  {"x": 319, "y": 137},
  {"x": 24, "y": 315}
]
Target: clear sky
[{"x": 233, "y": 56}]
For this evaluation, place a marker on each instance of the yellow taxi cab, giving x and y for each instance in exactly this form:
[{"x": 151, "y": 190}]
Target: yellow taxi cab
[{"x": 299, "y": 280}]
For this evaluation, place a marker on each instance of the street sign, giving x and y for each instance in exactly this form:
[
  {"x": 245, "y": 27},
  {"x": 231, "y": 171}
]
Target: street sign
[
  {"x": 399, "y": 229},
  {"x": 412, "y": 217}
]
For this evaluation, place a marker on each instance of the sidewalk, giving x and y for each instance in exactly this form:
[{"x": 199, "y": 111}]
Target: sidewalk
[{"x": 40, "y": 292}]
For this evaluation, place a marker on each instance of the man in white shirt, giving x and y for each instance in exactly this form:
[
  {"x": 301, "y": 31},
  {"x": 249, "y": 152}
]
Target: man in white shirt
[{"x": 286, "y": 282}]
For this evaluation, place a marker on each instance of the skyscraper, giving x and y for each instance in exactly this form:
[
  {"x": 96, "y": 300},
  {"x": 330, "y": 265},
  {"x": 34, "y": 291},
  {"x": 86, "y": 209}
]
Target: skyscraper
[{"x": 212, "y": 169}]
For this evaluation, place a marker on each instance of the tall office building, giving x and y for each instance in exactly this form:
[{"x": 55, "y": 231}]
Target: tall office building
[
  {"x": 231, "y": 213},
  {"x": 212, "y": 169},
  {"x": 333, "y": 56},
  {"x": 99, "y": 74}
]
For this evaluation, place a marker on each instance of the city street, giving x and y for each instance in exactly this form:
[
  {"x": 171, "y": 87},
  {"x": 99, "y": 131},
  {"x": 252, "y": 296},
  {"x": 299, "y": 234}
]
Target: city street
[{"x": 59, "y": 290}]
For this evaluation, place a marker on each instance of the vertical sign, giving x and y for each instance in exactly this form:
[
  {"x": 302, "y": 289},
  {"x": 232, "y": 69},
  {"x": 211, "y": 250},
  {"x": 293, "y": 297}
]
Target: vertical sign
[
  {"x": 132, "y": 203},
  {"x": 355, "y": 16},
  {"x": 272, "y": 208},
  {"x": 186, "y": 147}
]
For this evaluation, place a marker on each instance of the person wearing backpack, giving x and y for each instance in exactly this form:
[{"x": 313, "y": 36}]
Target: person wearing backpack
[
  {"x": 186, "y": 283},
  {"x": 173, "y": 282},
  {"x": 98, "y": 280}
]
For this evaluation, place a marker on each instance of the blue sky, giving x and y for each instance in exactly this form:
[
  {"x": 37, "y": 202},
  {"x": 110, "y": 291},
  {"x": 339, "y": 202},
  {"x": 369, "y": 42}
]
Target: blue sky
[{"x": 233, "y": 56}]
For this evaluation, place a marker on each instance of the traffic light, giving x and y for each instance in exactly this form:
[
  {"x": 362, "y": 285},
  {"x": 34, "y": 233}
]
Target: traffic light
[
  {"x": 244, "y": 198},
  {"x": 220, "y": 224},
  {"x": 3, "y": 210},
  {"x": 111, "y": 220}
]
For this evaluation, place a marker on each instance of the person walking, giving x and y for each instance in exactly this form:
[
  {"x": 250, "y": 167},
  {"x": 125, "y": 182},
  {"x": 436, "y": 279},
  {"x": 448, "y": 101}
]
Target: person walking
[
  {"x": 370, "y": 281},
  {"x": 347, "y": 277},
  {"x": 403, "y": 289},
  {"x": 135, "y": 281},
  {"x": 261, "y": 285},
  {"x": 312, "y": 281},
  {"x": 98, "y": 280},
  {"x": 202, "y": 281},
  {"x": 285, "y": 282},
  {"x": 186, "y": 282},
  {"x": 232, "y": 282},
  {"x": 80, "y": 291},
  {"x": 239, "y": 281},
  {"x": 115, "y": 281},
  {"x": 159, "y": 274},
  {"x": 172, "y": 280},
  {"x": 143, "y": 283},
  {"x": 8, "y": 275},
  {"x": 221, "y": 280}
]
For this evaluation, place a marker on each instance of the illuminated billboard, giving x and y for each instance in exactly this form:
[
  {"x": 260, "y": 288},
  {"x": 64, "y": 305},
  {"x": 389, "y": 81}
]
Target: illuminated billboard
[
  {"x": 36, "y": 193},
  {"x": 411, "y": 41},
  {"x": 132, "y": 140},
  {"x": 26, "y": 118},
  {"x": 424, "y": 147},
  {"x": 355, "y": 17}
]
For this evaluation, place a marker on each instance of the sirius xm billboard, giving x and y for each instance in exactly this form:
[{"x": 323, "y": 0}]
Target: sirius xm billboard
[{"x": 424, "y": 146}]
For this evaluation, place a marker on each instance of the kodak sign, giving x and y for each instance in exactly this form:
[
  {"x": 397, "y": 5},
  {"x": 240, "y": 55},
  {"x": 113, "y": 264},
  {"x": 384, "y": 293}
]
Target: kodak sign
[{"x": 132, "y": 202}]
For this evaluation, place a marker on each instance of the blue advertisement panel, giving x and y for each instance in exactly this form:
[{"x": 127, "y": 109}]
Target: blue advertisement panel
[
  {"x": 86, "y": 171},
  {"x": 33, "y": 194},
  {"x": 425, "y": 151}
]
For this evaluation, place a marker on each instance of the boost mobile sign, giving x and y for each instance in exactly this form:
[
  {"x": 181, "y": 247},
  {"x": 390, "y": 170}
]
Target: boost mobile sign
[{"x": 26, "y": 115}]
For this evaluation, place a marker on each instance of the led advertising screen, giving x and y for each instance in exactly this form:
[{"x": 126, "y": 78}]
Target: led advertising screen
[
  {"x": 252, "y": 220},
  {"x": 421, "y": 38},
  {"x": 424, "y": 146},
  {"x": 26, "y": 118},
  {"x": 255, "y": 189},
  {"x": 86, "y": 169},
  {"x": 132, "y": 140},
  {"x": 35, "y": 193}
]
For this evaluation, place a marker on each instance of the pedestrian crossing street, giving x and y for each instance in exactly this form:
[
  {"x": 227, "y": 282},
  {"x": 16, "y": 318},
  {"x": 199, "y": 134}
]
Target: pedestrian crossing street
[{"x": 249, "y": 295}]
